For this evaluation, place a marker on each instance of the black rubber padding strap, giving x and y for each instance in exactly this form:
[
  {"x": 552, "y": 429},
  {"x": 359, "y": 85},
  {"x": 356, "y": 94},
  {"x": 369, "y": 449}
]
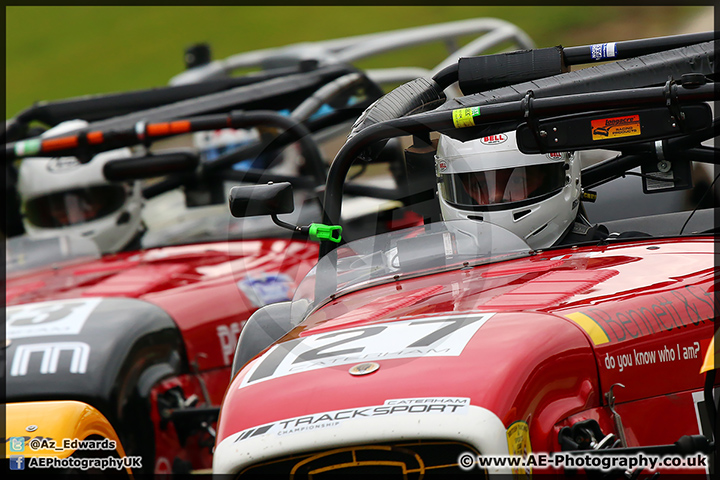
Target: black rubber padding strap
[
  {"x": 416, "y": 96},
  {"x": 477, "y": 74}
]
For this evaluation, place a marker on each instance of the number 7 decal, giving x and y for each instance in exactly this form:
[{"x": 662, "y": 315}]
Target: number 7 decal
[
  {"x": 453, "y": 325},
  {"x": 436, "y": 336},
  {"x": 317, "y": 353}
]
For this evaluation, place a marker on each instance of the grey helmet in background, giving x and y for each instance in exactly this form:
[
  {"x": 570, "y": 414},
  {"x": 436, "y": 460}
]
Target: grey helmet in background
[
  {"x": 63, "y": 196},
  {"x": 490, "y": 180}
]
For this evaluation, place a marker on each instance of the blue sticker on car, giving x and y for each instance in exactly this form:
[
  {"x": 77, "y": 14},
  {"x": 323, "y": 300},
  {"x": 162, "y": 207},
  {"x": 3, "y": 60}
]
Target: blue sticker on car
[{"x": 266, "y": 288}]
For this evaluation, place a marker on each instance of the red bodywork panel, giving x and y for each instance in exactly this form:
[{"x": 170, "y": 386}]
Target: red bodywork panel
[
  {"x": 542, "y": 357},
  {"x": 197, "y": 285}
]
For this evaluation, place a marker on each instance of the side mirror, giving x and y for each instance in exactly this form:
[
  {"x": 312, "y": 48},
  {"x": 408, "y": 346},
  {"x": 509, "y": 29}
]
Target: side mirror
[
  {"x": 253, "y": 200},
  {"x": 273, "y": 199}
]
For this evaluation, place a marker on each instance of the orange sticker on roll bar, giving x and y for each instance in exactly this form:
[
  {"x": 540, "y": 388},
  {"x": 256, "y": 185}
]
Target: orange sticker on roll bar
[
  {"x": 616, "y": 127},
  {"x": 95, "y": 137},
  {"x": 165, "y": 128}
]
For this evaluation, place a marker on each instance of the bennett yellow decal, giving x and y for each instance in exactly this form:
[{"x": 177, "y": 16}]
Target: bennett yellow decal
[
  {"x": 615, "y": 127},
  {"x": 464, "y": 117},
  {"x": 597, "y": 334},
  {"x": 689, "y": 306},
  {"x": 518, "y": 437}
]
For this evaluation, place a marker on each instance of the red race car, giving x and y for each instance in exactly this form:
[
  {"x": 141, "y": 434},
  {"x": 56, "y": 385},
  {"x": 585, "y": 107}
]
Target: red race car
[
  {"x": 513, "y": 336},
  {"x": 136, "y": 346}
]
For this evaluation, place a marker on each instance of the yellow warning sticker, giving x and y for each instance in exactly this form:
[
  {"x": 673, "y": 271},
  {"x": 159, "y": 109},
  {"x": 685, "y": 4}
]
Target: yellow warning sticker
[
  {"x": 518, "y": 437},
  {"x": 615, "y": 127},
  {"x": 464, "y": 117}
]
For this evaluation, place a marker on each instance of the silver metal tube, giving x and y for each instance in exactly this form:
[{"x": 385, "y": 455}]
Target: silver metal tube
[
  {"x": 350, "y": 49},
  {"x": 421, "y": 35},
  {"x": 385, "y": 76},
  {"x": 311, "y": 104}
]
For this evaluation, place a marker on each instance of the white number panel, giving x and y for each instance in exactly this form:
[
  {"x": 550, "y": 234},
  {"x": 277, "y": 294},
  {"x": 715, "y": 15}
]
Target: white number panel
[
  {"x": 427, "y": 337},
  {"x": 59, "y": 317}
]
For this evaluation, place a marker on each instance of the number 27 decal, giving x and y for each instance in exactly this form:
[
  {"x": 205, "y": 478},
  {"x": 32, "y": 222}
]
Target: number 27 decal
[{"x": 436, "y": 336}]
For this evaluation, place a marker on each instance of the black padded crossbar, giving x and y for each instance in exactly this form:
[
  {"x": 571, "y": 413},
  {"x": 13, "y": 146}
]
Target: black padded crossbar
[{"x": 477, "y": 74}]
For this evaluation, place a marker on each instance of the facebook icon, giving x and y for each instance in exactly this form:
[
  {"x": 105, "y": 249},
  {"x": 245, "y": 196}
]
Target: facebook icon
[{"x": 17, "y": 462}]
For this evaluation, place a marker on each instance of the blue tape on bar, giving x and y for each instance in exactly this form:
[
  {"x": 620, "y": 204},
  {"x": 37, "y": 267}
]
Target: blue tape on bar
[{"x": 602, "y": 51}]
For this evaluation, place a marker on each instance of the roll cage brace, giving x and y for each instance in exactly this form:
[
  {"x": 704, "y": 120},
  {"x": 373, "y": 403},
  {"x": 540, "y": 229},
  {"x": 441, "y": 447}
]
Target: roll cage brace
[{"x": 478, "y": 117}]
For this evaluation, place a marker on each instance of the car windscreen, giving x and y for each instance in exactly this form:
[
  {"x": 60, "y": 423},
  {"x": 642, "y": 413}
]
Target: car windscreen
[{"x": 404, "y": 253}]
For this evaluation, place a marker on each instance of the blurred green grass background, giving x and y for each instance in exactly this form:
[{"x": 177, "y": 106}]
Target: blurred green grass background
[{"x": 60, "y": 52}]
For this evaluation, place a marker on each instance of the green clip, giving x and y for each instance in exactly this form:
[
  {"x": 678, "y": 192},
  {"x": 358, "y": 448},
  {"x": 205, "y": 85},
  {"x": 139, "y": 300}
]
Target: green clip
[{"x": 319, "y": 232}]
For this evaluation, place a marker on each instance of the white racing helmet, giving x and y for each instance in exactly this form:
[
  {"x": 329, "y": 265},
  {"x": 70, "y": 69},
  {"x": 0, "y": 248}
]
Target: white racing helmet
[
  {"x": 63, "y": 196},
  {"x": 490, "y": 180}
]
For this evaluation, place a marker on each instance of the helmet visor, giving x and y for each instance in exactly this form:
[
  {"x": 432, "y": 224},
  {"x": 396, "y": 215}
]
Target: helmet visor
[
  {"x": 73, "y": 207},
  {"x": 502, "y": 186}
]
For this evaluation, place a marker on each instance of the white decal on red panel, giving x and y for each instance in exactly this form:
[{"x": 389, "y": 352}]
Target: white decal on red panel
[
  {"x": 228, "y": 337},
  {"x": 665, "y": 354},
  {"x": 441, "y": 336},
  {"x": 394, "y": 407},
  {"x": 59, "y": 317}
]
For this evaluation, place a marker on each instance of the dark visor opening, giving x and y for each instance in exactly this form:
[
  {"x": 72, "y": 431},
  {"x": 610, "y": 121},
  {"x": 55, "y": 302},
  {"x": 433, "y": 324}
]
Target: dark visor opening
[
  {"x": 73, "y": 207},
  {"x": 503, "y": 186}
]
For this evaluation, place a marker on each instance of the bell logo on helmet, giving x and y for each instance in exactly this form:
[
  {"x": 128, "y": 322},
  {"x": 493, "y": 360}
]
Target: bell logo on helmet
[
  {"x": 531, "y": 196},
  {"x": 494, "y": 139},
  {"x": 62, "y": 164}
]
